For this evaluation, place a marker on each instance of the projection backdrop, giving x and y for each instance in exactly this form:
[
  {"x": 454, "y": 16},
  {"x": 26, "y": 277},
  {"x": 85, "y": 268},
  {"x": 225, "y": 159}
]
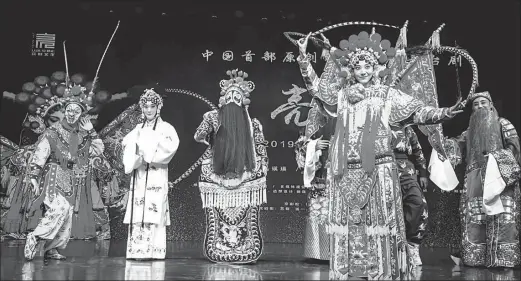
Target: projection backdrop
[{"x": 178, "y": 54}]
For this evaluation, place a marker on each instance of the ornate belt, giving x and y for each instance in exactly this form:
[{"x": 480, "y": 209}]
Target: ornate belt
[{"x": 357, "y": 164}]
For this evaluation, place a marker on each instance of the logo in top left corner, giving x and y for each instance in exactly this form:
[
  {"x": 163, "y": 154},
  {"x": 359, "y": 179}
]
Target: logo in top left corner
[{"x": 43, "y": 45}]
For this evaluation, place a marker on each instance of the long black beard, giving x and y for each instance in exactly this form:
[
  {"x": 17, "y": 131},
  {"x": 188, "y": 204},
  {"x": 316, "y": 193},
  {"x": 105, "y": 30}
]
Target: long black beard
[
  {"x": 484, "y": 134},
  {"x": 233, "y": 144}
]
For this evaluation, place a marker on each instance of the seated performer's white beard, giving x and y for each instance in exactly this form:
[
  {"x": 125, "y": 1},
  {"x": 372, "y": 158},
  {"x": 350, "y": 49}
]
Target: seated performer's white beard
[{"x": 484, "y": 134}]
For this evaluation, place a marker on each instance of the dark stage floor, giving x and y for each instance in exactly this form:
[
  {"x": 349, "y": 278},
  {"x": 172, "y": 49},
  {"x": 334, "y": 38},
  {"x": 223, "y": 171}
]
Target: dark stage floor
[{"x": 105, "y": 260}]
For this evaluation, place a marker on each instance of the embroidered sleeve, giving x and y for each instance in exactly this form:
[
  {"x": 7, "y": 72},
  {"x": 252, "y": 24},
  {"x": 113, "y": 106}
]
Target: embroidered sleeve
[
  {"x": 39, "y": 157},
  {"x": 103, "y": 173},
  {"x": 511, "y": 138},
  {"x": 316, "y": 118},
  {"x": 260, "y": 147},
  {"x": 508, "y": 165},
  {"x": 330, "y": 83},
  {"x": 407, "y": 110},
  {"x": 315, "y": 121},
  {"x": 300, "y": 151},
  {"x": 308, "y": 74},
  {"x": 205, "y": 129},
  {"x": 508, "y": 157},
  {"x": 456, "y": 148},
  {"x": 168, "y": 143},
  {"x": 417, "y": 153}
]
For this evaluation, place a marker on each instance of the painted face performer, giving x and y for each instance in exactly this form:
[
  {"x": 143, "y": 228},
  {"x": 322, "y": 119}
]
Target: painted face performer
[
  {"x": 147, "y": 150},
  {"x": 365, "y": 208},
  {"x": 46, "y": 98},
  {"x": 60, "y": 167},
  {"x": 489, "y": 207},
  {"x": 233, "y": 175}
]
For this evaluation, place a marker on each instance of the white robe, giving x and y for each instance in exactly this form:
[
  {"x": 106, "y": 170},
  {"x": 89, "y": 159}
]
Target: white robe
[{"x": 144, "y": 147}]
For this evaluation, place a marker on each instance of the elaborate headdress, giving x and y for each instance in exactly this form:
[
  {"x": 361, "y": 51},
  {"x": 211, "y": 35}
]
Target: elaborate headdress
[
  {"x": 151, "y": 96},
  {"x": 474, "y": 96},
  {"x": 365, "y": 47},
  {"x": 236, "y": 89},
  {"x": 45, "y": 94}
]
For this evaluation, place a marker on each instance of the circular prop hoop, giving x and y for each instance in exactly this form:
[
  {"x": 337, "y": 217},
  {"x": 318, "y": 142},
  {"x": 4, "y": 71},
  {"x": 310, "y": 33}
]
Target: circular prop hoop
[
  {"x": 208, "y": 151},
  {"x": 449, "y": 49},
  {"x": 466, "y": 55},
  {"x": 320, "y": 42}
]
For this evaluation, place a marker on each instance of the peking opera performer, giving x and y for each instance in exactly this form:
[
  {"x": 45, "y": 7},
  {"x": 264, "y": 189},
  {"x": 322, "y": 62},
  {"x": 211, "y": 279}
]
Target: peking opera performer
[
  {"x": 233, "y": 176},
  {"x": 147, "y": 150},
  {"x": 366, "y": 219},
  {"x": 489, "y": 208},
  {"x": 60, "y": 169}
]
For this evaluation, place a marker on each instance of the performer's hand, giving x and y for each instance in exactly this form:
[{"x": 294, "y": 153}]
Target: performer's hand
[
  {"x": 303, "y": 44},
  {"x": 456, "y": 109},
  {"x": 36, "y": 186},
  {"x": 85, "y": 124},
  {"x": 424, "y": 182},
  {"x": 321, "y": 144},
  {"x": 121, "y": 205},
  {"x": 328, "y": 44}
]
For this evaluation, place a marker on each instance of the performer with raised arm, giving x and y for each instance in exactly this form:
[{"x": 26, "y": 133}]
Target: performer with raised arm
[
  {"x": 147, "y": 150},
  {"x": 365, "y": 205},
  {"x": 312, "y": 158},
  {"x": 45, "y": 101},
  {"x": 409, "y": 159},
  {"x": 489, "y": 207},
  {"x": 60, "y": 166},
  {"x": 233, "y": 174}
]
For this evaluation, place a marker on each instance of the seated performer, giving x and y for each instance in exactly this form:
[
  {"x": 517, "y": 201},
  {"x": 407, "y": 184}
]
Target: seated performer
[
  {"x": 60, "y": 165},
  {"x": 489, "y": 206},
  {"x": 406, "y": 144},
  {"x": 147, "y": 150},
  {"x": 233, "y": 175}
]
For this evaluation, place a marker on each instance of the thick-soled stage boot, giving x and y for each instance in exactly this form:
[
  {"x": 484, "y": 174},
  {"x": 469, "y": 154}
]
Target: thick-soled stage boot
[{"x": 53, "y": 254}]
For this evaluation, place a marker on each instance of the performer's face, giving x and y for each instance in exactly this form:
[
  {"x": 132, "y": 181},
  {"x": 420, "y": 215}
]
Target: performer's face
[
  {"x": 480, "y": 102},
  {"x": 484, "y": 133},
  {"x": 55, "y": 117},
  {"x": 363, "y": 72},
  {"x": 72, "y": 113},
  {"x": 233, "y": 96},
  {"x": 150, "y": 111}
]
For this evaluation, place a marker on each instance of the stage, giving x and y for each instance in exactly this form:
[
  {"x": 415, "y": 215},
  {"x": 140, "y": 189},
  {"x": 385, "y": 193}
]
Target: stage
[{"x": 105, "y": 260}]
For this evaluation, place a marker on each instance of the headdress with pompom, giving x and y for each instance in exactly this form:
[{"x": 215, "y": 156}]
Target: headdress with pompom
[
  {"x": 364, "y": 47},
  {"x": 151, "y": 96},
  {"x": 236, "y": 83}
]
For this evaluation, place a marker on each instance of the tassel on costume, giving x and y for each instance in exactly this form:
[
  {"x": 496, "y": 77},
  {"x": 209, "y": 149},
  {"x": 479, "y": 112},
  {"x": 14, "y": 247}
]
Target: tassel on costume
[
  {"x": 403, "y": 35},
  {"x": 435, "y": 38}
]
